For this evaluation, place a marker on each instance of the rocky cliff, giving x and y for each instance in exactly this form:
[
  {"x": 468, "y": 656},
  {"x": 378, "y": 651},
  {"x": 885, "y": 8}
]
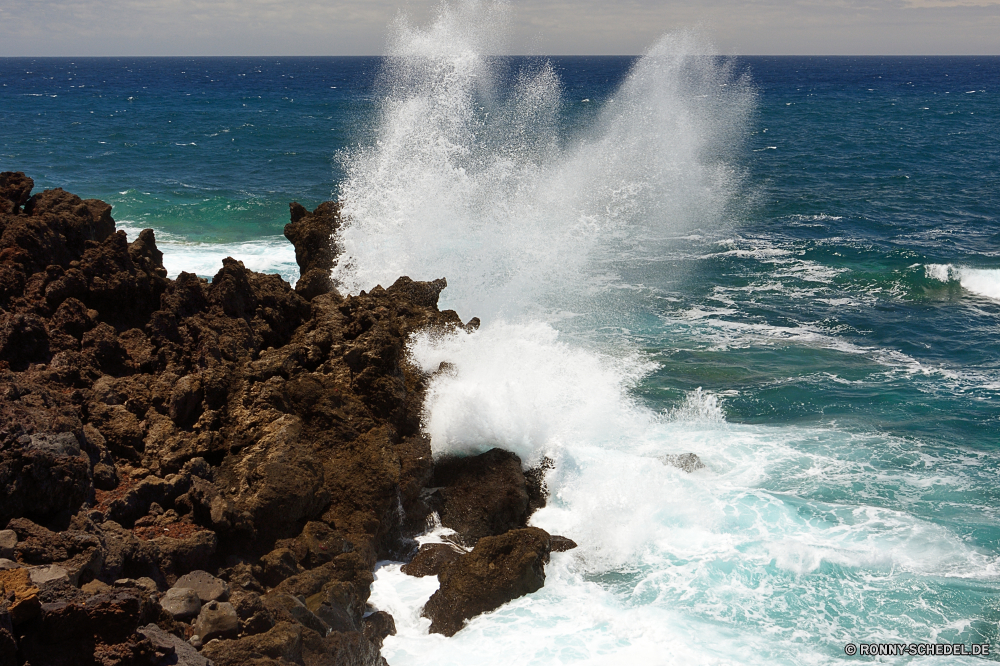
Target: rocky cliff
[{"x": 201, "y": 471}]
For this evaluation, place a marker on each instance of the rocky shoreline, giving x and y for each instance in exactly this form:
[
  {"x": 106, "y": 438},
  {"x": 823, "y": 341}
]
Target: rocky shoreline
[{"x": 197, "y": 471}]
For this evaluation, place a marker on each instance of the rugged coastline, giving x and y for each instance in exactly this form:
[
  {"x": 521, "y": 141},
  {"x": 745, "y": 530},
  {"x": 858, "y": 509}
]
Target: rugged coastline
[{"x": 204, "y": 471}]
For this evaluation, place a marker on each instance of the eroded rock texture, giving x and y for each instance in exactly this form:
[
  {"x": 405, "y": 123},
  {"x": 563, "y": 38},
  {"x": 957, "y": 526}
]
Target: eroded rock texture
[
  {"x": 152, "y": 427},
  {"x": 499, "y": 569}
]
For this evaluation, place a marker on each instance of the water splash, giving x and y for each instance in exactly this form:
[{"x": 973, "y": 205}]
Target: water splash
[
  {"x": 468, "y": 178},
  {"x": 775, "y": 545}
]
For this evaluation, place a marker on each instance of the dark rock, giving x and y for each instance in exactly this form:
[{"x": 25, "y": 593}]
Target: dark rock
[
  {"x": 561, "y": 544},
  {"x": 8, "y": 642},
  {"x": 278, "y": 565},
  {"x": 254, "y": 616},
  {"x": 285, "y": 605},
  {"x": 90, "y": 632},
  {"x": 15, "y": 190},
  {"x": 318, "y": 543},
  {"x": 534, "y": 479},
  {"x": 152, "y": 427},
  {"x": 431, "y": 559},
  {"x": 37, "y": 484},
  {"x": 312, "y": 236},
  {"x": 283, "y": 642},
  {"x": 377, "y": 626},
  {"x": 499, "y": 569},
  {"x": 689, "y": 462},
  {"x": 482, "y": 495}
]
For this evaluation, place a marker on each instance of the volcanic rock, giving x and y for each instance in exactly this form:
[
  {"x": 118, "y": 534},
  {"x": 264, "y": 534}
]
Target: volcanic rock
[
  {"x": 479, "y": 496},
  {"x": 205, "y": 585},
  {"x": 154, "y": 427},
  {"x": 171, "y": 650},
  {"x": 312, "y": 236},
  {"x": 217, "y": 619},
  {"x": 561, "y": 544},
  {"x": 181, "y": 602},
  {"x": 282, "y": 644},
  {"x": 498, "y": 569},
  {"x": 8, "y": 540},
  {"x": 19, "y": 594},
  {"x": 378, "y": 625},
  {"x": 430, "y": 560},
  {"x": 8, "y": 644}
]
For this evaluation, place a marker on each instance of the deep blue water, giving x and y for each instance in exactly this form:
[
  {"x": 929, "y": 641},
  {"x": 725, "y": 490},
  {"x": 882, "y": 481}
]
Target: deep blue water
[{"x": 849, "y": 294}]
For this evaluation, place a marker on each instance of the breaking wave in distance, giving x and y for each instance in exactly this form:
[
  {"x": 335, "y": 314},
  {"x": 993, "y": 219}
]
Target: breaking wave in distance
[{"x": 979, "y": 281}]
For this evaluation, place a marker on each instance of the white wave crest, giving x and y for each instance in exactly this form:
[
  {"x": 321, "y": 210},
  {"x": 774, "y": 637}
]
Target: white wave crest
[{"x": 979, "y": 281}]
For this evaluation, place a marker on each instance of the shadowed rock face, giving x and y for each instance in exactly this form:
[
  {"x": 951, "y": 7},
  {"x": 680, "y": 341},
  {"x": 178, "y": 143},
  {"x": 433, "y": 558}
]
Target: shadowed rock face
[
  {"x": 152, "y": 427},
  {"x": 312, "y": 236},
  {"x": 499, "y": 569},
  {"x": 480, "y": 496}
]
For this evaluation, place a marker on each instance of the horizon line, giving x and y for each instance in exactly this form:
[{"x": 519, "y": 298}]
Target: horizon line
[{"x": 526, "y": 55}]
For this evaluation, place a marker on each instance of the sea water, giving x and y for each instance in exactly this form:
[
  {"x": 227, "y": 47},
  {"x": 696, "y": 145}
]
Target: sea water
[{"x": 788, "y": 266}]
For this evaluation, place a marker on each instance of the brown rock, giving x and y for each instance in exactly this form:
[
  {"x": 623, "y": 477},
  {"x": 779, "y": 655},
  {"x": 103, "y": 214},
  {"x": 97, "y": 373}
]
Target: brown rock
[
  {"x": 561, "y": 544},
  {"x": 20, "y": 593},
  {"x": 278, "y": 565},
  {"x": 283, "y": 641},
  {"x": 15, "y": 190},
  {"x": 8, "y": 643},
  {"x": 312, "y": 236},
  {"x": 153, "y": 427},
  {"x": 431, "y": 559},
  {"x": 499, "y": 569},
  {"x": 482, "y": 495},
  {"x": 378, "y": 625}
]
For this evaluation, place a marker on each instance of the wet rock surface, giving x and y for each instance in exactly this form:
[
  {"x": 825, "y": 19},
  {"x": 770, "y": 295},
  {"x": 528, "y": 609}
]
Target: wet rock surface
[
  {"x": 266, "y": 436},
  {"x": 431, "y": 559},
  {"x": 688, "y": 462},
  {"x": 480, "y": 496},
  {"x": 499, "y": 569}
]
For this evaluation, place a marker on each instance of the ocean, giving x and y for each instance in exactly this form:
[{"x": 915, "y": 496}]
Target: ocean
[{"x": 789, "y": 266}]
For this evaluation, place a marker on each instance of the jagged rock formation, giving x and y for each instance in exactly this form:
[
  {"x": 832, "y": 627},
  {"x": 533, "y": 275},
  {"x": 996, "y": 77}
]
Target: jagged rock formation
[
  {"x": 206, "y": 471},
  {"x": 499, "y": 569},
  {"x": 487, "y": 500},
  {"x": 151, "y": 427}
]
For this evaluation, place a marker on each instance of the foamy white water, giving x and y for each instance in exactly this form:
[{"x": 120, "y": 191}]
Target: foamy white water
[
  {"x": 979, "y": 281},
  {"x": 264, "y": 255},
  {"x": 468, "y": 179}
]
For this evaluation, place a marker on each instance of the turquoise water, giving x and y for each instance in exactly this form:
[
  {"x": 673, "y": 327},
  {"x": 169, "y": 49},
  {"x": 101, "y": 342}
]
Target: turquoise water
[{"x": 790, "y": 266}]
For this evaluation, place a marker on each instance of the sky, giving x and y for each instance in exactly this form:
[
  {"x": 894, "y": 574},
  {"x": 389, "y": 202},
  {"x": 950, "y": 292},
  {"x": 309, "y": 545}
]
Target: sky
[{"x": 546, "y": 27}]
